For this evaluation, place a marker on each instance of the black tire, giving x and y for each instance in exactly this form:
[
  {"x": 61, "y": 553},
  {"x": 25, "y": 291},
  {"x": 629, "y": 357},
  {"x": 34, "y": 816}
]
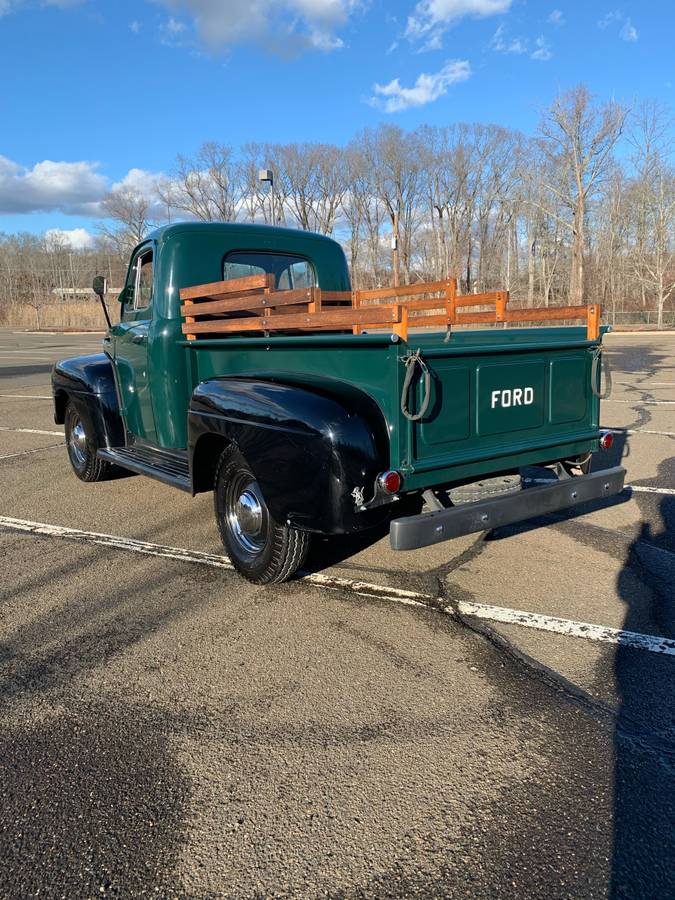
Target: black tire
[
  {"x": 82, "y": 446},
  {"x": 261, "y": 549}
]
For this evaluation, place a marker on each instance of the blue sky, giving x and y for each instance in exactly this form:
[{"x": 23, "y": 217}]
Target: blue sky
[{"x": 97, "y": 92}]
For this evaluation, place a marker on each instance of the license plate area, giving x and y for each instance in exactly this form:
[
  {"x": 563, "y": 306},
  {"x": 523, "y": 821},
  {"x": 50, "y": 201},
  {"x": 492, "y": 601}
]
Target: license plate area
[{"x": 511, "y": 396}]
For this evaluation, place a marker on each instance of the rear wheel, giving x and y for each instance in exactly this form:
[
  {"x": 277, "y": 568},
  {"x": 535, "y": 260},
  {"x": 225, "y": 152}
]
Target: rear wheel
[
  {"x": 261, "y": 549},
  {"x": 82, "y": 446}
]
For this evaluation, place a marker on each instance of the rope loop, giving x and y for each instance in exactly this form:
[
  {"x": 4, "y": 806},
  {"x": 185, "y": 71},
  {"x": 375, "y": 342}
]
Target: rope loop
[
  {"x": 411, "y": 363},
  {"x": 595, "y": 379}
]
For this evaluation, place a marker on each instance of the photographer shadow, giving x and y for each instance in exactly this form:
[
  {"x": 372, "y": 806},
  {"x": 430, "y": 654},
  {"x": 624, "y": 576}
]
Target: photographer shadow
[{"x": 643, "y": 860}]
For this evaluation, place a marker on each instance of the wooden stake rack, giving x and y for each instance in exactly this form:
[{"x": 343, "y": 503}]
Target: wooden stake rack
[{"x": 252, "y": 304}]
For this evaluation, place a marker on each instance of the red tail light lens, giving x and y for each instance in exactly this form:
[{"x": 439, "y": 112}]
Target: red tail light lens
[
  {"x": 390, "y": 481},
  {"x": 606, "y": 440}
]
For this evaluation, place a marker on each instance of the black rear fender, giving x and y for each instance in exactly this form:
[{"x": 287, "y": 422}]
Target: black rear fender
[
  {"x": 308, "y": 451},
  {"x": 90, "y": 382}
]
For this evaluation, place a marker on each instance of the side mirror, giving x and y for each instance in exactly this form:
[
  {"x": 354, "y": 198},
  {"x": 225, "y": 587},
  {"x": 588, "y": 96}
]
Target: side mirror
[{"x": 99, "y": 286}]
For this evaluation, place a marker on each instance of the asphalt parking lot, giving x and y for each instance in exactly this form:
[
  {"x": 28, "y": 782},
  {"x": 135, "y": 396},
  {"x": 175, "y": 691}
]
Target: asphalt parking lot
[{"x": 492, "y": 717}]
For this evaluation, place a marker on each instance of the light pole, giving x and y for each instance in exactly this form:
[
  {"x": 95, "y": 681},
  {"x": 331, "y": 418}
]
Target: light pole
[
  {"x": 394, "y": 251},
  {"x": 268, "y": 175}
]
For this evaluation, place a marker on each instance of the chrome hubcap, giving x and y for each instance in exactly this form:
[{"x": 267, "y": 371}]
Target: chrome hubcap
[
  {"x": 246, "y": 519},
  {"x": 78, "y": 442}
]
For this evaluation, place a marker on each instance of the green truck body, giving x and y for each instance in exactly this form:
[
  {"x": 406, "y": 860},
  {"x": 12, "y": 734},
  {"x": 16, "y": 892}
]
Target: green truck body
[{"x": 499, "y": 399}]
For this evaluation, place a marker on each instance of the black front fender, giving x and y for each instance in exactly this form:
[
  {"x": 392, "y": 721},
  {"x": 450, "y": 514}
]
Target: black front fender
[
  {"x": 90, "y": 382},
  {"x": 308, "y": 451}
]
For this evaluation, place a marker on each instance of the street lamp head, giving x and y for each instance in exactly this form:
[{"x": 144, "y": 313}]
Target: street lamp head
[{"x": 265, "y": 175}]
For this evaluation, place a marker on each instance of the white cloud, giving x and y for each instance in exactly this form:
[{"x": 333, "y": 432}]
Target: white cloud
[
  {"x": 135, "y": 26},
  {"x": 172, "y": 33},
  {"x": 174, "y": 26},
  {"x": 628, "y": 31},
  {"x": 543, "y": 52},
  {"x": 140, "y": 181},
  {"x": 75, "y": 239},
  {"x": 501, "y": 44},
  {"x": 73, "y": 188},
  {"x": 433, "y": 17},
  {"x": 610, "y": 18},
  {"x": 49, "y": 186},
  {"x": 556, "y": 17},
  {"x": 284, "y": 26},
  {"x": 393, "y": 97}
]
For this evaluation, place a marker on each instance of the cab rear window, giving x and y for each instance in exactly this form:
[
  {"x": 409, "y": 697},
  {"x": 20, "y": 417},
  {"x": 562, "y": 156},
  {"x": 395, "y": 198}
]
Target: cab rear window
[{"x": 290, "y": 272}]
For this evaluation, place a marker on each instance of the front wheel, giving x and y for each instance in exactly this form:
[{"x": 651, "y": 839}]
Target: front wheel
[
  {"x": 82, "y": 446},
  {"x": 261, "y": 549}
]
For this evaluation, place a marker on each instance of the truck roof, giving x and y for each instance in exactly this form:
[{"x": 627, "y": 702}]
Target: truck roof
[{"x": 243, "y": 228}]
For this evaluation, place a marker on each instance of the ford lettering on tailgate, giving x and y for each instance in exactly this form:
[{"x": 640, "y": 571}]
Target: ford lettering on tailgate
[{"x": 510, "y": 397}]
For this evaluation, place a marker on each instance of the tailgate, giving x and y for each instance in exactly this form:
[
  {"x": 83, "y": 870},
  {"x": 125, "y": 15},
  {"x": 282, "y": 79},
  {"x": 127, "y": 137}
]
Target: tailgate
[{"x": 499, "y": 402}]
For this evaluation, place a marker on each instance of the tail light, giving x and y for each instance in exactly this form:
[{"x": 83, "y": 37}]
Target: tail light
[
  {"x": 390, "y": 481},
  {"x": 606, "y": 440}
]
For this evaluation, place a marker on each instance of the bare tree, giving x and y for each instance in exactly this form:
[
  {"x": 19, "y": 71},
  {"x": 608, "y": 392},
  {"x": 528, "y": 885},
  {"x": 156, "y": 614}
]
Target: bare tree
[
  {"x": 652, "y": 198},
  {"x": 130, "y": 210},
  {"x": 393, "y": 159},
  {"x": 579, "y": 136},
  {"x": 205, "y": 186}
]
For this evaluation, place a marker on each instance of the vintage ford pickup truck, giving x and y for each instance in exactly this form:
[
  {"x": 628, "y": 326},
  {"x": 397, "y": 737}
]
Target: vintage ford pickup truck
[{"x": 243, "y": 363}]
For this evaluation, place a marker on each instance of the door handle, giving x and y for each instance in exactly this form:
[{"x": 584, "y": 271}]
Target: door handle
[{"x": 139, "y": 339}]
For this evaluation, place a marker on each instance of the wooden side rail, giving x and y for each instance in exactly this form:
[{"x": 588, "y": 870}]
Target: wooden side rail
[
  {"x": 217, "y": 289},
  {"x": 591, "y": 314},
  {"x": 238, "y": 302},
  {"x": 250, "y": 285},
  {"x": 334, "y": 318},
  {"x": 252, "y": 304}
]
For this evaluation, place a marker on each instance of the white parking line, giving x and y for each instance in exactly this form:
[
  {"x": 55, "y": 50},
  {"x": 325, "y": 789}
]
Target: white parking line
[
  {"x": 25, "y": 396},
  {"x": 30, "y": 431},
  {"x": 36, "y": 450},
  {"x": 8, "y": 359},
  {"x": 628, "y": 488},
  {"x": 642, "y": 402},
  {"x": 570, "y": 627},
  {"x": 363, "y": 588},
  {"x": 641, "y": 431},
  {"x": 647, "y": 384},
  {"x": 119, "y": 543},
  {"x": 643, "y": 489}
]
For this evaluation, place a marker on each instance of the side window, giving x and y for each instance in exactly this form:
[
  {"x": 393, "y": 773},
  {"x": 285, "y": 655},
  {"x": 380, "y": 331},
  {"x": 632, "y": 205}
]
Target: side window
[
  {"x": 138, "y": 290},
  {"x": 143, "y": 291},
  {"x": 289, "y": 271}
]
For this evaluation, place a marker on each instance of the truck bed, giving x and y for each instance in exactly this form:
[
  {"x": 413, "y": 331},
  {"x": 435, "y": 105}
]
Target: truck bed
[{"x": 500, "y": 398}]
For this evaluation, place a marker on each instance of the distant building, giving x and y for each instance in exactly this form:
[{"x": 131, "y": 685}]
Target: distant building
[{"x": 79, "y": 293}]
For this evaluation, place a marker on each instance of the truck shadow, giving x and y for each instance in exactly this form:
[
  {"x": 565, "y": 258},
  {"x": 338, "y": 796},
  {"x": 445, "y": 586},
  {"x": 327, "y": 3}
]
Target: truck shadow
[
  {"x": 327, "y": 552},
  {"x": 333, "y": 550}
]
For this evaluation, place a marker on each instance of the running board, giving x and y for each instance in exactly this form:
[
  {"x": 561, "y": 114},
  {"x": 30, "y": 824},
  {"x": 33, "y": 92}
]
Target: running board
[{"x": 167, "y": 469}]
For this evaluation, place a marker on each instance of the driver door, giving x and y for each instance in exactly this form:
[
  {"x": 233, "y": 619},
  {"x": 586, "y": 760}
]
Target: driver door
[{"x": 130, "y": 340}]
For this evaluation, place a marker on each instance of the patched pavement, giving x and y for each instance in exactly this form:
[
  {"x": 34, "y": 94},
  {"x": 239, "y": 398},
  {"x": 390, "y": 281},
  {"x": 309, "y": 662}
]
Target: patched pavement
[{"x": 168, "y": 729}]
